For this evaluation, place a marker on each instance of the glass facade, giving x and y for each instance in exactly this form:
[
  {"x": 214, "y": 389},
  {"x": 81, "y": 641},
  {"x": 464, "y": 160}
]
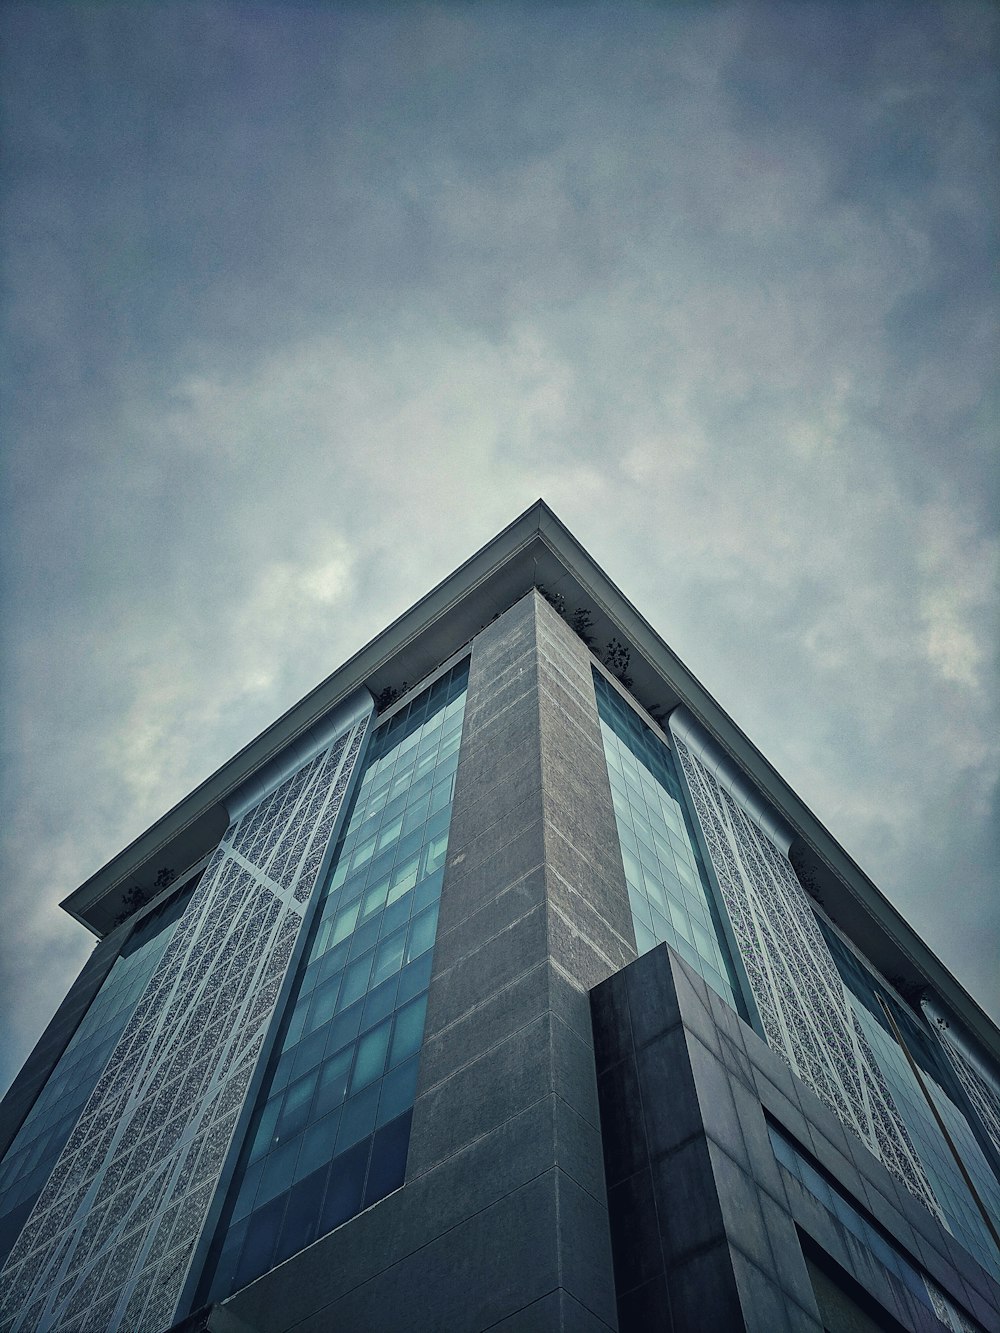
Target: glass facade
[
  {"x": 959, "y": 1210},
  {"x": 331, "y": 1132},
  {"x": 667, "y": 884},
  {"x": 30, "y": 1158},
  {"x": 882, "y": 1248}
]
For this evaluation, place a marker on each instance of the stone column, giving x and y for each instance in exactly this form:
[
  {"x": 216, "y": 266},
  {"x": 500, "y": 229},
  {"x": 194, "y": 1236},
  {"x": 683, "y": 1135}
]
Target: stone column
[{"x": 534, "y": 912}]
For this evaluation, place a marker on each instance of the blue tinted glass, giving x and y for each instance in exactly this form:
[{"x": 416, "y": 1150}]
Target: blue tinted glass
[
  {"x": 32, "y": 1154},
  {"x": 880, "y": 1246},
  {"x": 961, "y": 1214},
  {"x": 667, "y": 884},
  {"x": 332, "y": 1125},
  {"x": 388, "y": 1160}
]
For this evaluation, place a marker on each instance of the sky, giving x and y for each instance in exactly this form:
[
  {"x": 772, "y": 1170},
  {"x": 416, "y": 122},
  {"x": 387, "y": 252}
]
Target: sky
[{"x": 303, "y": 303}]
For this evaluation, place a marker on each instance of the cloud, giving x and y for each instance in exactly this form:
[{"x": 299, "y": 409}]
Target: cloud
[{"x": 307, "y": 303}]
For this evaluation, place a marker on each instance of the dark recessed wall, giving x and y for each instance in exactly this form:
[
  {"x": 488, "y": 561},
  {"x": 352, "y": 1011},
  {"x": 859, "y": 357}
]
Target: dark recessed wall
[{"x": 705, "y": 1223}]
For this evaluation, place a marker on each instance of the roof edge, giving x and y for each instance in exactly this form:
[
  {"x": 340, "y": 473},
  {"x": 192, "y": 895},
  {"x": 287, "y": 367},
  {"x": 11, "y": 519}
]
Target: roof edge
[{"x": 535, "y": 547}]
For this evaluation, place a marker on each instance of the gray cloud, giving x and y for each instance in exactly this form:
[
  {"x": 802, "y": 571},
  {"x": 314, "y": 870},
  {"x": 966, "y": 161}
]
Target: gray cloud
[{"x": 306, "y": 302}]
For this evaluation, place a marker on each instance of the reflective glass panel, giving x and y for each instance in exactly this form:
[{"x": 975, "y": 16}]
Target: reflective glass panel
[
  {"x": 883, "y": 1249},
  {"x": 960, "y": 1212},
  {"x": 331, "y": 1129},
  {"x": 667, "y": 884}
]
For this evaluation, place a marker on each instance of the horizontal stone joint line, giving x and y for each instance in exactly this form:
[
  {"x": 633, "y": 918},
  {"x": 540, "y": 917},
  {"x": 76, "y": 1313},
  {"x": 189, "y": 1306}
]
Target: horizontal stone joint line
[
  {"x": 504, "y": 930},
  {"x": 409, "y": 1253},
  {"x": 482, "y": 1003},
  {"x": 576, "y": 931},
  {"x": 503, "y": 845},
  {"x": 603, "y": 1202},
  {"x": 481, "y": 1138},
  {"x": 545, "y": 1295},
  {"x": 596, "y": 910},
  {"x": 467, "y": 807},
  {"x": 508, "y": 888},
  {"x": 597, "y": 873},
  {"x": 480, "y": 1055},
  {"x": 479, "y": 726}
]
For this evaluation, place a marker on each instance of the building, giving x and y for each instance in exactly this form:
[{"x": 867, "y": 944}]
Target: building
[{"x": 502, "y": 984}]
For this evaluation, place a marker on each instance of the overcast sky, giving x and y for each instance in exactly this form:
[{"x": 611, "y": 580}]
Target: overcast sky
[{"x": 305, "y": 302}]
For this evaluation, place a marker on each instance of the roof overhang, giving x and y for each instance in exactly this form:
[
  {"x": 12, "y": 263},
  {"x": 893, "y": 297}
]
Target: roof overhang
[{"x": 536, "y": 550}]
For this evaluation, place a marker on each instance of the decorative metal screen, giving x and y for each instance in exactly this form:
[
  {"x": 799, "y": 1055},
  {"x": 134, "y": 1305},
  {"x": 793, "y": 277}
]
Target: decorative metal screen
[
  {"x": 109, "y": 1242},
  {"x": 981, "y": 1092},
  {"x": 803, "y": 1006},
  {"x": 28, "y": 1162}
]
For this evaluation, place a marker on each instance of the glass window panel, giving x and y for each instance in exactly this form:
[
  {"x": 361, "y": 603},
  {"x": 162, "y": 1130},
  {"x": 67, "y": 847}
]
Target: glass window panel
[
  {"x": 374, "y": 900},
  {"x": 346, "y": 1187},
  {"x": 363, "y": 855},
  {"x": 428, "y": 891},
  {"x": 344, "y": 1028},
  {"x": 295, "y": 1108},
  {"x": 356, "y": 980},
  {"x": 408, "y": 846},
  {"x": 404, "y": 876},
  {"x": 640, "y": 906},
  {"x": 396, "y": 916},
  {"x": 387, "y": 1166},
  {"x": 416, "y": 814},
  {"x": 226, "y": 1263},
  {"x": 381, "y": 865},
  {"x": 276, "y": 1174},
  {"x": 390, "y": 832},
  {"x": 447, "y": 767},
  {"x": 298, "y": 1022},
  {"x": 248, "y": 1189},
  {"x": 258, "y": 1248},
  {"x": 409, "y": 1030},
  {"x": 339, "y": 874},
  {"x": 420, "y": 787},
  {"x": 283, "y": 1069},
  {"x": 394, "y": 810},
  {"x": 655, "y": 893},
  {"x": 441, "y": 797},
  {"x": 389, "y": 957},
  {"x": 333, "y": 961},
  {"x": 399, "y": 1090},
  {"x": 438, "y": 824},
  {"x": 357, "y": 1119},
  {"x": 317, "y": 1144},
  {"x": 414, "y": 978},
  {"x": 331, "y": 1083},
  {"x": 379, "y": 1003},
  {"x": 365, "y": 937},
  {"x": 323, "y": 1005},
  {"x": 644, "y": 937},
  {"x": 301, "y": 1215},
  {"x": 370, "y": 1061},
  {"x": 421, "y": 933},
  {"x": 669, "y": 892},
  {"x": 344, "y": 923},
  {"x": 308, "y": 1052}
]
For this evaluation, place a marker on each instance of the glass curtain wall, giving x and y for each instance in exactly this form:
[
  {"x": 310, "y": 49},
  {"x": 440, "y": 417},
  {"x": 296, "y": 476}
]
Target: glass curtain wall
[
  {"x": 332, "y": 1128},
  {"x": 31, "y": 1156},
  {"x": 667, "y": 883},
  {"x": 960, "y": 1210},
  {"x": 875, "y": 1240}
]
